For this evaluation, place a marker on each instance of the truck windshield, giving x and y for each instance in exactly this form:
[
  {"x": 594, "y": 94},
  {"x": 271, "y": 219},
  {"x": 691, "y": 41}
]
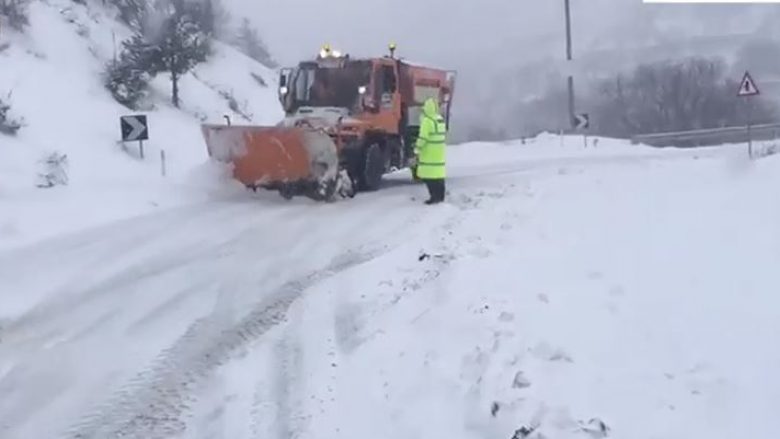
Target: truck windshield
[{"x": 337, "y": 86}]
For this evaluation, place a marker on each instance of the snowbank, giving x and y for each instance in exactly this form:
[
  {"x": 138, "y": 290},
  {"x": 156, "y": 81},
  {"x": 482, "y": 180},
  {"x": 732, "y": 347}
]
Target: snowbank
[
  {"x": 634, "y": 290},
  {"x": 55, "y": 84},
  {"x": 640, "y": 298}
]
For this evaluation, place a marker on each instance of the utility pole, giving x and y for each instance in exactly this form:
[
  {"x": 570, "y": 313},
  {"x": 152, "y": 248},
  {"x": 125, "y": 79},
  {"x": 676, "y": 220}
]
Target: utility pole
[{"x": 569, "y": 63}]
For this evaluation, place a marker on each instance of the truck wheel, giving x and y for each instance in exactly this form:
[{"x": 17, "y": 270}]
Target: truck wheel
[
  {"x": 324, "y": 190},
  {"x": 287, "y": 192},
  {"x": 373, "y": 168},
  {"x": 396, "y": 154},
  {"x": 346, "y": 186}
]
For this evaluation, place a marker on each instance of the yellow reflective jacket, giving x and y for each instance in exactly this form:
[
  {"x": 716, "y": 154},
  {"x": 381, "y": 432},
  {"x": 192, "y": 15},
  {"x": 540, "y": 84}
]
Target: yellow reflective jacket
[{"x": 431, "y": 143}]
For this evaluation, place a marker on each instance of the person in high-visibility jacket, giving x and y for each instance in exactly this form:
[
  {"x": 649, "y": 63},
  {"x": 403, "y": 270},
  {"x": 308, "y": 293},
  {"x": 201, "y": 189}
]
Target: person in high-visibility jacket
[{"x": 430, "y": 151}]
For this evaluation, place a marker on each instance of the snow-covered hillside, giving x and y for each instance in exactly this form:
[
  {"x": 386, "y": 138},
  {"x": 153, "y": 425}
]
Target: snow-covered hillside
[
  {"x": 53, "y": 75},
  {"x": 558, "y": 288}
]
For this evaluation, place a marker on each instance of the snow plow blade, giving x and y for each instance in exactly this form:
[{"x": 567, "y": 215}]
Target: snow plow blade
[{"x": 292, "y": 160}]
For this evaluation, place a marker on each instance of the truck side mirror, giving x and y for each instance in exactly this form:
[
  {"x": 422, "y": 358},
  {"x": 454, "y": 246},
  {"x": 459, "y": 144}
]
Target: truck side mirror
[
  {"x": 369, "y": 103},
  {"x": 284, "y": 88},
  {"x": 284, "y": 78}
]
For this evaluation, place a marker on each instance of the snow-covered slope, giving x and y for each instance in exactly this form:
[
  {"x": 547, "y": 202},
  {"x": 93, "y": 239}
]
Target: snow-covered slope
[
  {"x": 53, "y": 73},
  {"x": 557, "y": 285}
]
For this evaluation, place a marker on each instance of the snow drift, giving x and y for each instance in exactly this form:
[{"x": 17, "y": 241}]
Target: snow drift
[{"x": 629, "y": 293}]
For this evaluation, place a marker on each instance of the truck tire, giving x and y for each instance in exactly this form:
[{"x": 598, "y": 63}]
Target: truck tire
[
  {"x": 373, "y": 168},
  {"x": 287, "y": 191},
  {"x": 324, "y": 191},
  {"x": 395, "y": 153}
]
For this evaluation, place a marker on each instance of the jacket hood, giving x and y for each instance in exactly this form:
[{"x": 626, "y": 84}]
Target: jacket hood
[{"x": 430, "y": 107}]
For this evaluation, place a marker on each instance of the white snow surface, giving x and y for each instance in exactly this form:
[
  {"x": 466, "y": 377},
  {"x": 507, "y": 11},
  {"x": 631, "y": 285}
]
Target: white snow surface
[
  {"x": 564, "y": 284},
  {"x": 53, "y": 76},
  {"x": 558, "y": 286}
]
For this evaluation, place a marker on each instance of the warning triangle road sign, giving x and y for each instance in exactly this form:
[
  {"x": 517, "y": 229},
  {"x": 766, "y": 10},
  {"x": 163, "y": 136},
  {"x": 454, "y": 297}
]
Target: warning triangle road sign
[{"x": 747, "y": 87}]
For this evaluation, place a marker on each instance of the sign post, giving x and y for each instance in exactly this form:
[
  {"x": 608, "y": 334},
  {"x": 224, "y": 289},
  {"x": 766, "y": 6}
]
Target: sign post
[
  {"x": 747, "y": 88},
  {"x": 135, "y": 128},
  {"x": 570, "y": 78},
  {"x": 581, "y": 122}
]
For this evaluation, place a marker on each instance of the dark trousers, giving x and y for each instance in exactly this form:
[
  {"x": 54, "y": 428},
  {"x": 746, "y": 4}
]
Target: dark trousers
[{"x": 436, "y": 189}]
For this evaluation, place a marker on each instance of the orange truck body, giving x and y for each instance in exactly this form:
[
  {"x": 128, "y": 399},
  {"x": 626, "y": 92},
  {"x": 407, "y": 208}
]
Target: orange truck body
[{"x": 362, "y": 115}]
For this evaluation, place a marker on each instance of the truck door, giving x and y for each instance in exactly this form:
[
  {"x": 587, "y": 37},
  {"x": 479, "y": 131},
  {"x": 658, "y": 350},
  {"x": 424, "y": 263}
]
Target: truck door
[
  {"x": 388, "y": 87},
  {"x": 384, "y": 110}
]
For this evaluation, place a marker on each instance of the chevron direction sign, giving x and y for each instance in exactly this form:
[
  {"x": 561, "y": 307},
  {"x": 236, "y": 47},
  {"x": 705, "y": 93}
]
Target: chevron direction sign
[
  {"x": 581, "y": 121},
  {"x": 134, "y": 128}
]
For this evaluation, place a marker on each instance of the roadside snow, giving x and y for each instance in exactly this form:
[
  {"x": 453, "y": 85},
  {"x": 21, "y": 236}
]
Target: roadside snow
[
  {"x": 641, "y": 297},
  {"x": 638, "y": 292},
  {"x": 54, "y": 83}
]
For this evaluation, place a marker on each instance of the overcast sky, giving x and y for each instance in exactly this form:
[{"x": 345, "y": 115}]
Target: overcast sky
[
  {"x": 429, "y": 30},
  {"x": 472, "y": 36},
  {"x": 482, "y": 39}
]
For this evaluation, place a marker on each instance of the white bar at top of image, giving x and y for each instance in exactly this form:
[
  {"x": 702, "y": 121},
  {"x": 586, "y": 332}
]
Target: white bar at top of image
[{"x": 733, "y": 2}]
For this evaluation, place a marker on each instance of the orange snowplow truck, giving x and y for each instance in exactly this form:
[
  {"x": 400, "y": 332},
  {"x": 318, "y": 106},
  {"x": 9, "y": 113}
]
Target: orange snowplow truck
[{"x": 348, "y": 123}]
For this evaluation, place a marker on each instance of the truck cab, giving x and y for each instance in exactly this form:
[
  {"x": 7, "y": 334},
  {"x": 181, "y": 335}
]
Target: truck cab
[
  {"x": 371, "y": 107},
  {"x": 386, "y": 93}
]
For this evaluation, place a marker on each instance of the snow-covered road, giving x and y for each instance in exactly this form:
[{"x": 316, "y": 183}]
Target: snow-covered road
[
  {"x": 105, "y": 303},
  {"x": 635, "y": 286}
]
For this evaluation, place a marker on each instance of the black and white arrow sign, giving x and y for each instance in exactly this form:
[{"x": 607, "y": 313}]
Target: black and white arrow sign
[
  {"x": 581, "y": 121},
  {"x": 134, "y": 128}
]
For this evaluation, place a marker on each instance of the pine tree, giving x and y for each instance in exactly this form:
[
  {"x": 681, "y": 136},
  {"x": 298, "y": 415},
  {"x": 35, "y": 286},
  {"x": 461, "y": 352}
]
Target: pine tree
[
  {"x": 171, "y": 40},
  {"x": 249, "y": 42},
  {"x": 8, "y": 125},
  {"x": 176, "y": 42},
  {"x": 13, "y": 13},
  {"x": 207, "y": 21},
  {"x": 132, "y": 12},
  {"x": 127, "y": 78},
  {"x": 182, "y": 46},
  {"x": 209, "y": 15}
]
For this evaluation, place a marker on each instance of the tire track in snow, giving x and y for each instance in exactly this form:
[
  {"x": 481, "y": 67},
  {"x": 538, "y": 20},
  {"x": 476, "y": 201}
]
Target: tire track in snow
[
  {"x": 258, "y": 412},
  {"x": 47, "y": 320},
  {"x": 437, "y": 255},
  {"x": 158, "y": 401},
  {"x": 154, "y": 404},
  {"x": 46, "y": 317},
  {"x": 288, "y": 364}
]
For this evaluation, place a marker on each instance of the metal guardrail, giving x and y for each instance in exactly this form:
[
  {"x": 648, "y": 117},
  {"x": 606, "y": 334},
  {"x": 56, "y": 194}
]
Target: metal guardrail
[
  {"x": 714, "y": 136},
  {"x": 710, "y": 137}
]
